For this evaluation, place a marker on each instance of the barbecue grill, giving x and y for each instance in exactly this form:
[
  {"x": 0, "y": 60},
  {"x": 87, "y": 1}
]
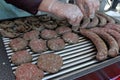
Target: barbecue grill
[{"x": 78, "y": 60}]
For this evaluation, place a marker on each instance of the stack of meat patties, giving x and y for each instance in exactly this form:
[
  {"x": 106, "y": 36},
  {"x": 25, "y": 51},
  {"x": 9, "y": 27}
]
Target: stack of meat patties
[{"x": 45, "y": 33}]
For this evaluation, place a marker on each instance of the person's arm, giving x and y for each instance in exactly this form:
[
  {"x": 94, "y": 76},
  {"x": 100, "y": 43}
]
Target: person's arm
[
  {"x": 30, "y": 6},
  {"x": 71, "y": 12}
]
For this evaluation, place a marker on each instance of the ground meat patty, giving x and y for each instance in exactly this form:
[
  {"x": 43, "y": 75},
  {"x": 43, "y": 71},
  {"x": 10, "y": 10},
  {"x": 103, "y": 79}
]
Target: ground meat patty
[
  {"x": 61, "y": 30},
  {"x": 70, "y": 37},
  {"x": 56, "y": 44},
  {"x": 38, "y": 26},
  {"x": 48, "y": 34},
  {"x": 21, "y": 57},
  {"x": 34, "y": 34},
  {"x": 62, "y": 22},
  {"x": 50, "y": 25},
  {"x": 50, "y": 62},
  {"x": 18, "y": 44},
  {"x": 28, "y": 71},
  {"x": 38, "y": 45},
  {"x": 45, "y": 18},
  {"x": 6, "y": 33}
]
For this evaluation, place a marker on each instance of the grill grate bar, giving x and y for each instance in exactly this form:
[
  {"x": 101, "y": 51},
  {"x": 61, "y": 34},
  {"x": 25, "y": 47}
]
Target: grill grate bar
[
  {"x": 79, "y": 57},
  {"x": 68, "y": 70}
]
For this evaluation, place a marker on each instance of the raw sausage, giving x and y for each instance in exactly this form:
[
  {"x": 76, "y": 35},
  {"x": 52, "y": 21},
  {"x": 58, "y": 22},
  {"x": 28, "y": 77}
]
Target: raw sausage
[
  {"x": 102, "y": 51},
  {"x": 93, "y": 23},
  {"x": 113, "y": 33},
  {"x": 113, "y": 46},
  {"x": 86, "y": 21},
  {"x": 108, "y": 18},
  {"x": 102, "y": 20}
]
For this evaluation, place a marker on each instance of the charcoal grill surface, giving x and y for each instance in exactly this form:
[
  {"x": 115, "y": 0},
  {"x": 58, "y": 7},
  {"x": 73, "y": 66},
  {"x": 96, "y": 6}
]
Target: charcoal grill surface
[{"x": 78, "y": 60}]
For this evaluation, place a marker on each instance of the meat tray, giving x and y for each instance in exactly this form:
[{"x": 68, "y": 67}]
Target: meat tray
[{"x": 78, "y": 60}]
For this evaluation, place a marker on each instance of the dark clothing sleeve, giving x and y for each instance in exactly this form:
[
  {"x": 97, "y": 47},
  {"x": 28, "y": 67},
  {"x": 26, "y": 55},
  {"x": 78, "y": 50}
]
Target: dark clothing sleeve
[{"x": 30, "y": 6}]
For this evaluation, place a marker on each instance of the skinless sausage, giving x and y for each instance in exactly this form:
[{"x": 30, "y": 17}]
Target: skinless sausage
[
  {"x": 86, "y": 21},
  {"x": 102, "y": 20},
  {"x": 113, "y": 26},
  {"x": 112, "y": 43},
  {"x": 93, "y": 23},
  {"x": 102, "y": 51},
  {"x": 108, "y": 18},
  {"x": 113, "y": 33}
]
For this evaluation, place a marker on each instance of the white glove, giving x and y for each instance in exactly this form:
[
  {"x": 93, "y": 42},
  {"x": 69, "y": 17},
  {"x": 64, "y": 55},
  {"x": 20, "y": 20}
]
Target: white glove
[
  {"x": 88, "y": 7},
  {"x": 63, "y": 10}
]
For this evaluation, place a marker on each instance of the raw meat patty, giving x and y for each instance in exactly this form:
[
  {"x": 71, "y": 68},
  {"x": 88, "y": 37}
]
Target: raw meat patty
[
  {"x": 21, "y": 57},
  {"x": 50, "y": 62},
  {"x": 61, "y": 30},
  {"x": 50, "y": 25},
  {"x": 28, "y": 71},
  {"x": 38, "y": 45},
  {"x": 34, "y": 34},
  {"x": 48, "y": 34},
  {"x": 70, "y": 37},
  {"x": 56, "y": 44},
  {"x": 18, "y": 44}
]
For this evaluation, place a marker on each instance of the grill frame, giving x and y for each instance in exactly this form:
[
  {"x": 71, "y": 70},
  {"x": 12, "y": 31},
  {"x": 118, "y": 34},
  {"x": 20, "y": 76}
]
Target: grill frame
[{"x": 7, "y": 73}]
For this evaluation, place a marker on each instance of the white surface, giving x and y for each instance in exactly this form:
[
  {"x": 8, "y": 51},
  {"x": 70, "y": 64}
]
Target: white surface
[{"x": 114, "y": 14}]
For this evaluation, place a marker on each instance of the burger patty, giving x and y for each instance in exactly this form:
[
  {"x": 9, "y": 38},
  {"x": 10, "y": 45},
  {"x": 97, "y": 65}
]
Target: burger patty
[
  {"x": 50, "y": 25},
  {"x": 63, "y": 29},
  {"x": 21, "y": 57},
  {"x": 56, "y": 44},
  {"x": 38, "y": 45},
  {"x": 18, "y": 44},
  {"x": 70, "y": 37},
  {"x": 34, "y": 34},
  {"x": 48, "y": 34},
  {"x": 28, "y": 71},
  {"x": 50, "y": 62}
]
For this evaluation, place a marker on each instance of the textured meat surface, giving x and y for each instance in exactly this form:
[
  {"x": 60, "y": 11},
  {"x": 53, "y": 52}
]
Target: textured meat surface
[
  {"x": 93, "y": 23},
  {"x": 102, "y": 20},
  {"x": 45, "y": 18},
  {"x": 48, "y": 34},
  {"x": 70, "y": 37},
  {"x": 21, "y": 57},
  {"x": 102, "y": 50},
  {"x": 50, "y": 25},
  {"x": 38, "y": 45},
  {"x": 34, "y": 34},
  {"x": 8, "y": 34},
  {"x": 113, "y": 46},
  {"x": 18, "y": 44},
  {"x": 113, "y": 33},
  {"x": 28, "y": 71},
  {"x": 61, "y": 30},
  {"x": 56, "y": 44},
  {"x": 50, "y": 62},
  {"x": 108, "y": 18},
  {"x": 62, "y": 23},
  {"x": 113, "y": 26},
  {"x": 86, "y": 21}
]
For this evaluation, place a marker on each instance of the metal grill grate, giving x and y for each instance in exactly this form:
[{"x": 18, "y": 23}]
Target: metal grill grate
[{"x": 76, "y": 59}]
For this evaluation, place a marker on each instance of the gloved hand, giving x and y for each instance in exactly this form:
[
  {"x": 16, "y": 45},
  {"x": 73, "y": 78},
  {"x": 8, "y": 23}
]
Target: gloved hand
[
  {"x": 63, "y": 10},
  {"x": 88, "y": 7}
]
